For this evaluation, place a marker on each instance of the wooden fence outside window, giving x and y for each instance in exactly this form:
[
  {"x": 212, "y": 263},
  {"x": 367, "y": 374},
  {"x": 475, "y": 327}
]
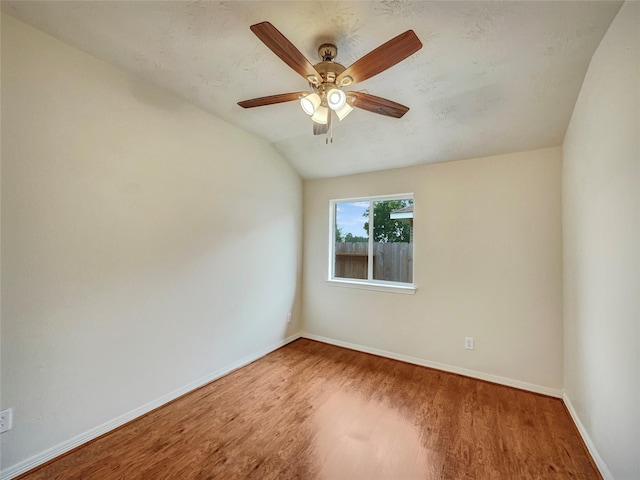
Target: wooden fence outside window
[{"x": 391, "y": 261}]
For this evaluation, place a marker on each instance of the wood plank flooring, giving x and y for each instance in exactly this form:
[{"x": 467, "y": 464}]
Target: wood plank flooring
[{"x": 315, "y": 411}]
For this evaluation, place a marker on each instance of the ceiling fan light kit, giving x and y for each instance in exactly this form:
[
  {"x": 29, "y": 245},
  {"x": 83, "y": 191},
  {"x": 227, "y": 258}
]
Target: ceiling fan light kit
[
  {"x": 336, "y": 99},
  {"x": 310, "y": 103},
  {"x": 327, "y": 78},
  {"x": 343, "y": 111},
  {"x": 321, "y": 115},
  {"x": 315, "y": 103}
]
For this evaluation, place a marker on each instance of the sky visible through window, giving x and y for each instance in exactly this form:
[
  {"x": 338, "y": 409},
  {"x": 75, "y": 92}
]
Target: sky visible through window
[{"x": 350, "y": 219}]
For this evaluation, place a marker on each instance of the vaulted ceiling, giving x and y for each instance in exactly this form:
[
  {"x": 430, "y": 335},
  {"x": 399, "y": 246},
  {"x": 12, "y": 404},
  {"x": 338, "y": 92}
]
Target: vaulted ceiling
[{"x": 491, "y": 78}]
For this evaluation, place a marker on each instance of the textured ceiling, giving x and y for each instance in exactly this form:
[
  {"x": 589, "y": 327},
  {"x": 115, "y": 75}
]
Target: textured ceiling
[{"x": 491, "y": 78}]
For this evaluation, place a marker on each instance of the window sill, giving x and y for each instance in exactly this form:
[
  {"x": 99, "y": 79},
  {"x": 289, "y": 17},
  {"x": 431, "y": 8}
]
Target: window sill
[{"x": 405, "y": 289}]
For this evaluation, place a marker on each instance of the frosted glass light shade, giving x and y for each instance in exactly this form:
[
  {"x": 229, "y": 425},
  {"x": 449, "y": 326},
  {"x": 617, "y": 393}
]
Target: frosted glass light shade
[
  {"x": 343, "y": 111},
  {"x": 310, "y": 103},
  {"x": 321, "y": 115},
  {"x": 336, "y": 99}
]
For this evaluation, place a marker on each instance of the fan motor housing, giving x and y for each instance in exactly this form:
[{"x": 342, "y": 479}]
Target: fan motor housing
[{"x": 329, "y": 70}]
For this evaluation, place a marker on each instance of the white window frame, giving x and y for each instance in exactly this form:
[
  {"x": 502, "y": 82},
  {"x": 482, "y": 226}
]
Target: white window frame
[{"x": 369, "y": 283}]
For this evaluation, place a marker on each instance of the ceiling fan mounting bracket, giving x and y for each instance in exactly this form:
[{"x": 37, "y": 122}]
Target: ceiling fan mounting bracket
[{"x": 327, "y": 52}]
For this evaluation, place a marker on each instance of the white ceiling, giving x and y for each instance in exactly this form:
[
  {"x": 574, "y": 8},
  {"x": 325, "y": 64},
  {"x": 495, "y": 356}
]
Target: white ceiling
[{"x": 491, "y": 78}]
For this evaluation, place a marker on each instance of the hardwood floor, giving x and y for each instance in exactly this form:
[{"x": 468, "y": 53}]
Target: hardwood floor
[{"x": 315, "y": 411}]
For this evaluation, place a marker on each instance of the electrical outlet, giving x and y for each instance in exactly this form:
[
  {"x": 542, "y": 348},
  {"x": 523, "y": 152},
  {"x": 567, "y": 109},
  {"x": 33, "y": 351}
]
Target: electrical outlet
[
  {"x": 289, "y": 317},
  {"x": 6, "y": 420},
  {"x": 468, "y": 343}
]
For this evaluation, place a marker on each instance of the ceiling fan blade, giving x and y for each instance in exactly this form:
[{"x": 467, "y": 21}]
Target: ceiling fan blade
[
  {"x": 320, "y": 128},
  {"x": 271, "y": 99},
  {"x": 284, "y": 49},
  {"x": 378, "y": 105},
  {"x": 383, "y": 57}
]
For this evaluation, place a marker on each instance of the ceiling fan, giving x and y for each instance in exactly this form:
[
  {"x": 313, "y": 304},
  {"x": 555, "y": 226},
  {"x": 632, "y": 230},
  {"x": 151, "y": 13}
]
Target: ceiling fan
[{"x": 328, "y": 78}]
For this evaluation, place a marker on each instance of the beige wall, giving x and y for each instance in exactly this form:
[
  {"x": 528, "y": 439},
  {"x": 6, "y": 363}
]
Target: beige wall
[
  {"x": 601, "y": 197},
  {"x": 146, "y": 244},
  {"x": 487, "y": 265}
]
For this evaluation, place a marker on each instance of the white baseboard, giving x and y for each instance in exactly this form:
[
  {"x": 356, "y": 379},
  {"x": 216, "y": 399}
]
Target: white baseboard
[
  {"x": 604, "y": 470},
  {"x": 64, "y": 447},
  {"x": 552, "y": 392}
]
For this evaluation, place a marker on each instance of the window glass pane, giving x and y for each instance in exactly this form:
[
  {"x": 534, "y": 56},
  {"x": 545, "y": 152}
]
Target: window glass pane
[
  {"x": 352, "y": 240},
  {"x": 393, "y": 240}
]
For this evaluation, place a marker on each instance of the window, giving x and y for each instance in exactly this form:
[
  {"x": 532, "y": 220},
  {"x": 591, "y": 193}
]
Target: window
[{"x": 372, "y": 242}]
